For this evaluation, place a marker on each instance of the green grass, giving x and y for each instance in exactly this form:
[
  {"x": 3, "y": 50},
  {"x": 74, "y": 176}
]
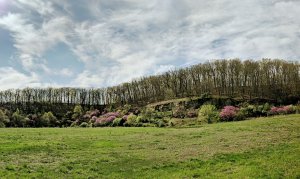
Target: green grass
[{"x": 258, "y": 148}]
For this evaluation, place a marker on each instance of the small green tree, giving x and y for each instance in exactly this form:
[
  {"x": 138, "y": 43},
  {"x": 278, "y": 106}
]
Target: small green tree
[
  {"x": 77, "y": 112},
  {"x": 44, "y": 121},
  {"x": 131, "y": 120},
  {"x": 18, "y": 120},
  {"x": 48, "y": 119},
  {"x": 266, "y": 109},
  {"x": 3, "y": 119},
  {"x": 208, "y": 114}
]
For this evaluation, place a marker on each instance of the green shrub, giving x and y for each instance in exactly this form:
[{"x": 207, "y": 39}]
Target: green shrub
[
  {"x": 160, "y": 115},
  {"x": 118, "y": 122},
  {"x": 131, "y": 120},
  {"x": 148, "y": 113},
  {"x": 240, "y": 115},
  {"x": 3, "y": 119},
  {"x": 161, "y": 124},
  {"x": 77, "y": 112},
  {"x": 84, "y": 124},
  {"x": 174, "y": 122},
  {"x": 208, "y": 114},
  {"x": 48, "y": 119},
  {"x": 27, "y": 122},
  {"x": 18, "y": 120},
  {"x": 74, "y": 124},
  {"x": 266, "y": 108},
  {"x": 142, "y": 119},
  {"x": 125, "y": 109},
  {"x": 297, "y": 109},
  {"x": 244, "y": 111},
  {"x": 256, "y": 110}
]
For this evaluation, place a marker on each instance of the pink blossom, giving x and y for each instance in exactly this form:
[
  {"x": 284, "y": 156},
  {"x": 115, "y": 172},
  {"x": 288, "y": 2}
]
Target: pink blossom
[
  {"x": 94, "y": 113},
  {"x": 228, "y": 113},
  {"x": 116, "y": 114},
  {"x": 281, "y": 110}
]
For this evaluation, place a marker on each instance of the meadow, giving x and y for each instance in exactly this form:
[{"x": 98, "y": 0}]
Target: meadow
[{"x": 258, "y": 148}]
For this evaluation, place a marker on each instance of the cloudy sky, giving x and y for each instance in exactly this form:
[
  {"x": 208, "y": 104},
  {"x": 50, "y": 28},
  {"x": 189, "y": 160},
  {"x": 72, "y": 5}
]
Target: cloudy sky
[{"x": 98, "y": 43}]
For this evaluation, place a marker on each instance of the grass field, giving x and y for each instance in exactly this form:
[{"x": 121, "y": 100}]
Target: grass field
[{"x": 258, "y": 148}]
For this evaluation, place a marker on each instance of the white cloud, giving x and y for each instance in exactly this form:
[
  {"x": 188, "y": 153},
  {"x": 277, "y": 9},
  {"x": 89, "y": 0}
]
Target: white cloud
[
  {"x": 66, "y": 72},
  {"x": 32, "y": 42},
  {"x": 154, "y": 36},
  {"x": 10, "y": 79},
  {"x": 122, "y": 40},
  {"x": 42, "y": 7}
]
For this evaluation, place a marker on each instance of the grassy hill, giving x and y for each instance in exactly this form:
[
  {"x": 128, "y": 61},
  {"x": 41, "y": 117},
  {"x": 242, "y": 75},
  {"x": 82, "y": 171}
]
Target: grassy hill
[{"x": 258, "y": 148}]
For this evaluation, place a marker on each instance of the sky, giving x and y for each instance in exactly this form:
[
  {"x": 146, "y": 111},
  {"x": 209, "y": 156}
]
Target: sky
[{"x": 100, "y": 43}]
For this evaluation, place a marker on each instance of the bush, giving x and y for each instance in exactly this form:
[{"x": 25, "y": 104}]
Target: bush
[
  {"x": 102, "y": 121},
  {"x": 131, "y": 120},
  {"x": 105, "y": 119},
  {"x": 179, "y": 111},
  {"x": 95, "y": 112},
  {"x": 28, "y": 122},
  {"x": 93, "y": 120},
  {"x": 48, "y": 119},
  {"x": 297, "y": 109},
  {"x": 191, "y": 113},
  {"x": 118, "y": 122},
  {"x": 84, "y": 124},
  {"x": 282, "y": 110},
  {"x": 266, "y": 108},
  {"x": 229, "y": 113},
  {"x": 161, "y": 124},
  {"x": 249, "y": 111},
  {"x": 149, "y": 113},
  {"x": 74, "y": 124},
  {"x": 2, "y": 125},
  {"x": 125, "y": 109},
  {"x": 161, "y": 115},
  {"x": 208, "y": 113},
  {"x": 90, "y": 114},
  {"x": 3, "y": 119},
  {"x": 253, "y": 111},
  {"x": 67, "y": 120},
  {"x": 77, "y": 112},
  {"x": 110, "y": 114},
  {"x": 240, "y": 115},
  {"x": 125, "y": 117},
  {"x": 18, "y": 120},
  {"x": 142, "y": 119}
]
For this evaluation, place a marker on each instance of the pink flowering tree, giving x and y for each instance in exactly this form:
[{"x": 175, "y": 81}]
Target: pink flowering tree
[
  {"x": 282, "y": 110},
  {"x": 106, "y": 119},
  {"x": 228, "y": 113}
]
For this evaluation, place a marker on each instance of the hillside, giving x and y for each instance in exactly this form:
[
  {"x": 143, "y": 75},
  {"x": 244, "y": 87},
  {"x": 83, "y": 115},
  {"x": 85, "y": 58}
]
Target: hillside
[{"x": 253, "y": 88}]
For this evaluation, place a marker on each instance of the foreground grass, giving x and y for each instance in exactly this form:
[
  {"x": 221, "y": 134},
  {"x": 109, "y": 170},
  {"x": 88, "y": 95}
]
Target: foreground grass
[{"x": 258, "y": 148}]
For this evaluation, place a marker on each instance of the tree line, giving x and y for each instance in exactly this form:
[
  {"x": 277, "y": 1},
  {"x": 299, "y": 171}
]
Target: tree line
[{"x": 247, "y": 79}]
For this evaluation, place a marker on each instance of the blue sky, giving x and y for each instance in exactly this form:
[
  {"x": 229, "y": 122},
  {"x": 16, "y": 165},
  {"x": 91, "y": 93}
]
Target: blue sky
[{"x": 99, "y": 43}]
